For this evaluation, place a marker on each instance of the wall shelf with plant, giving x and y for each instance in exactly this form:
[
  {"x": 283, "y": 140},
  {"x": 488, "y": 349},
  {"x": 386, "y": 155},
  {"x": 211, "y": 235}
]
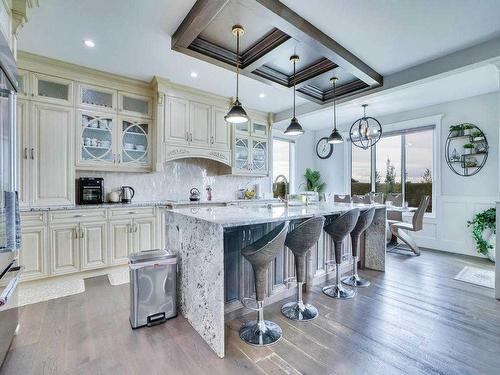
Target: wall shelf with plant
[{"x": 483, "y": 232}]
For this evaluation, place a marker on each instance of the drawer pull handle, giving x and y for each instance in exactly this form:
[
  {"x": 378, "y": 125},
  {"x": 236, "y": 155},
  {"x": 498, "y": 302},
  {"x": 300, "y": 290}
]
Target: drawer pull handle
[
  {"x": 79, "y": 215},
  {"x": 132, "y": 212}
]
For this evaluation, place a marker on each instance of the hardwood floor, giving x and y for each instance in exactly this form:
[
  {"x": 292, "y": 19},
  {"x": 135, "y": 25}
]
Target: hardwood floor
[{"x": 414, "y": 319}]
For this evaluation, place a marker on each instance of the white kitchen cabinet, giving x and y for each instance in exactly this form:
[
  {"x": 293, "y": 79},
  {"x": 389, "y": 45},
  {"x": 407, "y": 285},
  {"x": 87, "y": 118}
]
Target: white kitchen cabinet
[
  {"x": 199, "y": 124},
  {"x": 97, "y": 98},
  {"x": 134, "y": 105},
  {"x": 33, "y": 253},
  {"x": 23, "y": 84},
  {"x": 121, "y": 241},
  {"x": 49, "y": 89},
  {"x": 24, "y": 145},
  {"x": 135, "y": 143},
  {"x": 221, "y": 130},
  {"x": 51, "y": 155},
  {"x": 145, "y": 237},
  {"x": 93, "y": 245},
  {"x": 251, "y": 149},
  {"x": 177, "y": 121},
  {"x": 96, "y": 139},
  {"x": 64, "y": 246}
]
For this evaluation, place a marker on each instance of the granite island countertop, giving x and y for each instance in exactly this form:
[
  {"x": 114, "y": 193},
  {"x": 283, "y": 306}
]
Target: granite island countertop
[{"x": 232, "y": 216}]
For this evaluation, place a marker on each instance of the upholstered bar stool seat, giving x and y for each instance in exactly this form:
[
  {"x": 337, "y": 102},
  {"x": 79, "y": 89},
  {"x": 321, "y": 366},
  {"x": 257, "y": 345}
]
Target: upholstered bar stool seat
[
  {"x": 260, "y": 254},
  {"x": 338, "y": 230},
  {"x": 342, "y": 198},
  {"x": 299, "y": 241},
  {"x": 364, "y": 221}
]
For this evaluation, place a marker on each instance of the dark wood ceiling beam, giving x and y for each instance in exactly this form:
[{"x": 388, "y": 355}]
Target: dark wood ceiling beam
[
  {"x": 298, "y": 28},
  {"x": 265, "y": 49},
  {"x": 272, "y": 75},
  {"x": 213, "y": 50},
  {"x": 315, "y": 69},
  {"x": 347, "y": 88},
  {"x": 198, "y": 18}
]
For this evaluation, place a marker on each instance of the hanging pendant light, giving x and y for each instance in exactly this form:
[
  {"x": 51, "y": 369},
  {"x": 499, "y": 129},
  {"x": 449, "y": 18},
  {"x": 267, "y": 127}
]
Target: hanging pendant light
[
  {"x": 294, "y": 128},
  {"x": 237, "y": 114},
  {"x": 366, "y": 131},
  {"x": 335, "y": 136}
]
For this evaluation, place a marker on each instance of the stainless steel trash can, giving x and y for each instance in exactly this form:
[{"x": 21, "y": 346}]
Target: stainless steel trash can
[{"x": 153, "y": 275}]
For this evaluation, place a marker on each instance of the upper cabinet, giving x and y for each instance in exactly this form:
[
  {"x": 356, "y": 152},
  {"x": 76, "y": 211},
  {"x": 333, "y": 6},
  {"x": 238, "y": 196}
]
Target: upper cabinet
[
  {"x": 251, "y": 148},
  {"x": 196, "y": 129},
  {"x": 96, "y": 98},
  {"x": 135, "y": 140},
  {"x": 23, "y": 84},
  {"x": 50, "y": 89},
  {"x": 134, "y": 105}
]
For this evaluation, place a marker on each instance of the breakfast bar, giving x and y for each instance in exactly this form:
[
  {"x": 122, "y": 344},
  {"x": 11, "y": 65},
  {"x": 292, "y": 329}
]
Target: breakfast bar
[{"x": 212, "y": 275}]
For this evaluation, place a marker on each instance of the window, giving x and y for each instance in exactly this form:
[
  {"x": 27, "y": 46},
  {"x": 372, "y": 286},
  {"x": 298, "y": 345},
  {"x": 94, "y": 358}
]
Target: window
[
  {"x": 405, "y": 155},
  {"x": 361, "y": 171},
  {"x": 283, "y": 159}
]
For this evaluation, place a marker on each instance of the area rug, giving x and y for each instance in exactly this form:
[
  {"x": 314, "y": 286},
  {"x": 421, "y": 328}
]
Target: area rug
[
  {"x": 477, "y": 276},
  {"x": 119, "y": 276},
  {"x": 44, "y": 290}
]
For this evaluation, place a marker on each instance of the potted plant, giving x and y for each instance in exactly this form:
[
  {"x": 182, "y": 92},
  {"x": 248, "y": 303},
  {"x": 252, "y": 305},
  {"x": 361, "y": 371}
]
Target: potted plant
[
  {"x": 483, "y": 232},
  {"x": 466, "y": 128},
  {"x": 477, "y": 135},
  {"x": 455, "y": 130},
  {"x": 313, "y": 180},
  {"x": 469, "y": 147}
]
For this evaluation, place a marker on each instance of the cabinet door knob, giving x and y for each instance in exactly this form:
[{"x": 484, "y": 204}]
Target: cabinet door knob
[
  {"x": 32, "y": 153},
  {"x": 26, "y": 152}
]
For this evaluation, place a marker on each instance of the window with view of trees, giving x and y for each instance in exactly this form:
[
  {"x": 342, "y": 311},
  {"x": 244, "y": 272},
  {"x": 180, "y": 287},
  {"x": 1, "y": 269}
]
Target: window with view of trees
[{"x": 405, "y": 156}]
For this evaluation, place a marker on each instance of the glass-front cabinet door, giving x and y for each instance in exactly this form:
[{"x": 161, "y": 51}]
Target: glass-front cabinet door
[
  {"x": 259, "y": 130},
  {"x": 241, "y": 154},
  {"x": 52, "y": 89},
  {"x": 96, "y": 138},
  {"x": 259, "y": 155},
  {"x": 134, "y": 105},
  {"x": 97, "y": 98},
  {"x": 135, "y": 142}
]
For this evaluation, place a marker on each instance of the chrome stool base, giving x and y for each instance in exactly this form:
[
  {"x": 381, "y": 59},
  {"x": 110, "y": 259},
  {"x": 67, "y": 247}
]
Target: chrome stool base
[
  {"x": 337, "y": 291},
  {"x": 261, "y": 333},
  {"x": 356, "y": 281},
  {"x": 300, "y": 312}
]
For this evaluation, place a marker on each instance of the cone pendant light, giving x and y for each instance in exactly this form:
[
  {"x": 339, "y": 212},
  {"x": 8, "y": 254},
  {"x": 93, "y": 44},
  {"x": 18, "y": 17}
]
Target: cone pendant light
[
  {"x": 335, "y": 136},
  {"x": 237, "y": 114},
  {"x": 294, "y": 128}
]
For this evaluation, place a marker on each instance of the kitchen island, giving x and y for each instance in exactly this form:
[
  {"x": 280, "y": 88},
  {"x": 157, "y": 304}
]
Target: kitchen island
[{"x": 212, "y": 275}]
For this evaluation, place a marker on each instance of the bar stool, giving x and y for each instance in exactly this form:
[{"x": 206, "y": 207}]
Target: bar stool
[
  {"x": 342, "y": 198},
  {"x": 299, "y": 241},
  {"x": 260, "y": 254},
  {"x": 364, "y": 221},
  {"x": 338, "y": 230}
]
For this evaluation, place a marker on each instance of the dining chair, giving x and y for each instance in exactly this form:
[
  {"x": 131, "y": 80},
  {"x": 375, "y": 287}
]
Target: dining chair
[
  {"x": 398, "y": 228},
  {"x": 361, "y": 199},
  {"x": 396, "y": 200},
  {"x": 377, "y": 197},
  {"x": 342, "y": 198}
]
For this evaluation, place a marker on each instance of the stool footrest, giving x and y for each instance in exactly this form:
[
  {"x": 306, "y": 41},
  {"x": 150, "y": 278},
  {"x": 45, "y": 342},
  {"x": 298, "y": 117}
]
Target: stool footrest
[
  {"x": 245, "y": 302},
  {"x": 290, "y": 280}
]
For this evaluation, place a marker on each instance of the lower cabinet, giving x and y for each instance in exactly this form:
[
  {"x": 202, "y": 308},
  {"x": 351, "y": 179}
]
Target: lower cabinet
[
  {"x": 33, "y": 255},
  {"x": 93, "y": 245},
  {"x": 63, "y": 242},
  {"x": 64, "y": 248}
]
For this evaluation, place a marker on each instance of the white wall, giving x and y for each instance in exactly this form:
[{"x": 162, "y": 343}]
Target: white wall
[{"x": 458, "y": 197}]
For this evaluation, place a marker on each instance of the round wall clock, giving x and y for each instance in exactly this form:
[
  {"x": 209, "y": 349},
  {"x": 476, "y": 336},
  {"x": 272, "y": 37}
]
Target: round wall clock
[{"x": 324, "y": 149}]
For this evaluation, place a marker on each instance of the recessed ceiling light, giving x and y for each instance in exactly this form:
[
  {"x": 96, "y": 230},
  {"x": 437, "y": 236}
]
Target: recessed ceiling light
[
  {"x": 262, "y": 95},
  {"x": 194, "y": 74},
  {"x": 89, "y": 43}
]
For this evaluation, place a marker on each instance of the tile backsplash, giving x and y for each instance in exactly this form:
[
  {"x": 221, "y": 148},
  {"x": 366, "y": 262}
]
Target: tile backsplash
[{"x": 177, "y": 179}]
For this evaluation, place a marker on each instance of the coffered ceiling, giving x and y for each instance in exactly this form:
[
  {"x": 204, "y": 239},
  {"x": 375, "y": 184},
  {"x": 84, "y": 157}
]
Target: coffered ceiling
[{"x": 273, "y": 33}]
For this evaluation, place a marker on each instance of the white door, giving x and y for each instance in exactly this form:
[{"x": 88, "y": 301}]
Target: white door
[
  {"x": 24, "y": 150},
  {"x": 199, "y": 124},
  {"x": 93, "y": 245},
  {"x": 221, "y": 130},
  {"x": 177, "y": 120},
  {"x": 121, "y": 241},
  {"x": 64, "y": 248},
  {"x": 33, "y": 254},
  {"x": 145, "y": 234},
  {"x": 52, "y": 178}
]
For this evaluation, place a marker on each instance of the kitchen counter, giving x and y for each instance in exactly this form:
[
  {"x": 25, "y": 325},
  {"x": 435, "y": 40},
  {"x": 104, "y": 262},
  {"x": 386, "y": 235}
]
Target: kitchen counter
[
  {"x": 164, "y": 204},
  {"x": 212, "y": 276},
  {"x": 265, "y": 213}
]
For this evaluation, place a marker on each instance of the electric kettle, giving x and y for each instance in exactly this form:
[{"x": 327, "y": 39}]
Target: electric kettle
[
  {"x": 127, "y": 193},
  {"x": 194, "y": 195}
]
